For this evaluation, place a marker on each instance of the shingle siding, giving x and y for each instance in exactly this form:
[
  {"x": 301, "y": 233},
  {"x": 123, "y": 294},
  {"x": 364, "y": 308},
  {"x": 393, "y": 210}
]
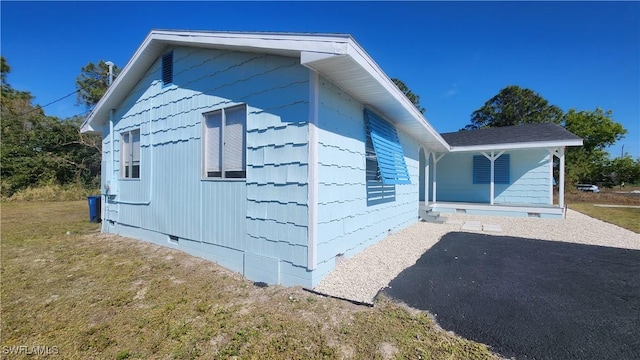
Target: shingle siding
[
  {"x": 529, "y": 179},
  {"x": 266, "y": 215},
  {"x": 346, "y": 225}
]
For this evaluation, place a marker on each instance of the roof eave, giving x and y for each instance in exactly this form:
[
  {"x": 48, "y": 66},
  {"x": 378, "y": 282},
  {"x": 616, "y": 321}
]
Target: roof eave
[
  {"x": 372, "y": 87},
  {"x": 518, "y": 146}
]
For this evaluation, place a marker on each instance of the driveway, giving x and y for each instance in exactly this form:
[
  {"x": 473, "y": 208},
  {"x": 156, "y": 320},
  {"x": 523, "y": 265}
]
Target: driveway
[{"x": 529, "y": 299}]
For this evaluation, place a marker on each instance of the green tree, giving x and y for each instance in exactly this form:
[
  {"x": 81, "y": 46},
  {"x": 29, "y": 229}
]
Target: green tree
[
  {"x": 415, "y": 99},
  {"x": 597, "y": 128},
  {"x": 625, "y": 170},
  {"x": 514, "y": 105},
  {"x": 4, "y": 70},
  {"x": 93, "y": 82},
  {"x": 41, "y": 150},
  {"x": 590, "y": 162}
]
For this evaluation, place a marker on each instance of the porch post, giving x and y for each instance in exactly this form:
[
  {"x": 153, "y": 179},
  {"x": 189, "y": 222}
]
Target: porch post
[
  {"x": 427, "y": 156},
  {"x": 552, "y": 152},
  {"x": 492, "y": 158},
  {"x": 435, "y": 169},
  {"x": 436, "y": 158},
  {"x": 492, "y": 174},
  {"x": 561, "y": 182}
]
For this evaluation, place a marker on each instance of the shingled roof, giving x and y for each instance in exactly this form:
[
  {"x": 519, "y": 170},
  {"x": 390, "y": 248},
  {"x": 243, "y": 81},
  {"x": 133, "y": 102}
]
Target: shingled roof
[{"x": 526, "y": 135}]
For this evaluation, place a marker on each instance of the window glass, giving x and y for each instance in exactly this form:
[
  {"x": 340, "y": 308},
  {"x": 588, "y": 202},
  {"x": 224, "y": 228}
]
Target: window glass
[{"x": 225, "y": 143}]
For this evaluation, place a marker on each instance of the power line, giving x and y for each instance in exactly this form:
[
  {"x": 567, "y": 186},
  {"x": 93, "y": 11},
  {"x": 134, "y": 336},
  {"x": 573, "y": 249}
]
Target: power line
[{"x": 58, "y": 100}]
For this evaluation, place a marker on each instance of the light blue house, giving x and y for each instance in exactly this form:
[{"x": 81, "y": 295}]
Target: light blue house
[{"x": 272, "y": 154}]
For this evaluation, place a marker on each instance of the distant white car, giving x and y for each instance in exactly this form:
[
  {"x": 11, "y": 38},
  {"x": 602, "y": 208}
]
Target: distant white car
[{"x": 588, "y": 188}]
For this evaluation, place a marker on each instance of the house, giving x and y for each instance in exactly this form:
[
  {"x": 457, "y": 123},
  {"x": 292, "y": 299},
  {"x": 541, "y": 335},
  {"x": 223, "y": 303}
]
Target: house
[{"x": 272, "y": 154}]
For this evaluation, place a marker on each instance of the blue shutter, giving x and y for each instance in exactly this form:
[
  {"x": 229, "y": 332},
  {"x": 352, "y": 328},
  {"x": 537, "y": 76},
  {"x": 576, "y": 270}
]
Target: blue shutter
[
  {"x": 393, "y": 168},
  {"x": 501, "y": 170},
  {"x": 482, "y": 170}
]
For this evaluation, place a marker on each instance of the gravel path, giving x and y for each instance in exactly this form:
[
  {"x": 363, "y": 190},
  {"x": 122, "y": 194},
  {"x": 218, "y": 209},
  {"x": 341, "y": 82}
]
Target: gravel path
[{"x": 361, "y": 277}]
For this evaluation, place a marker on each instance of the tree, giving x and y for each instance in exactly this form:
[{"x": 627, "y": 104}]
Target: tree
[
  {"x": 39, "y": 150},
  {"x": 514, "y": 105},
  {"x": 624, "y": 170},
  {"x": 597, "y": 128},
  {"x": 590, "y": 162},
  {"x": 4, "y": 70},
  {"x": 415, "y": 99},
  {"x": 92, "y": 82}
]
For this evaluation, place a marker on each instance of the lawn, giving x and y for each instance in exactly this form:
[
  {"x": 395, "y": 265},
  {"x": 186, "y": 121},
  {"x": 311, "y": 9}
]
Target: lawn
[
  {"x": 626, "y": 217},
  {"x": 70, "y": 291}
]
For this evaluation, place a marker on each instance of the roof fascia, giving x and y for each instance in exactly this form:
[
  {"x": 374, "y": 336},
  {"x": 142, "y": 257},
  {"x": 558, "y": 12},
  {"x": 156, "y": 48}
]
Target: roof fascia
[{"x": 518, "y": 146}]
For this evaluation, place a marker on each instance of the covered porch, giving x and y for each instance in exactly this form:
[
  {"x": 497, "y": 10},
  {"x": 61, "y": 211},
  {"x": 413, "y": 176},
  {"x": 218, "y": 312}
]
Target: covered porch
[{"x": 497, "y": 172}]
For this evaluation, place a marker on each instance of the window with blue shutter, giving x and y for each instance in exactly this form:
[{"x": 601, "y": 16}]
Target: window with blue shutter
[
  {"x": 392, "y": 168},
  {"x": 482, "y": 170},
  {"x": 167, "y": 68}
]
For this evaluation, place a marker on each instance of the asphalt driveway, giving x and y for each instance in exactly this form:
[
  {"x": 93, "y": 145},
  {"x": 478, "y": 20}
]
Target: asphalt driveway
[{"x": 530, "y": 299}]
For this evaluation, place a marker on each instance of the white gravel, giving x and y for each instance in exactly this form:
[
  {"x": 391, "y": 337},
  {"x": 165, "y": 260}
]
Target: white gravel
[{"x": 360, "y": 277}]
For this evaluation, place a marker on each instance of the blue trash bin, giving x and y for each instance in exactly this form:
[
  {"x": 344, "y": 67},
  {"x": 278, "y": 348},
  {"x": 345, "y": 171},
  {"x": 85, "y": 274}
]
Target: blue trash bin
[{"x": 94, "y": 208}]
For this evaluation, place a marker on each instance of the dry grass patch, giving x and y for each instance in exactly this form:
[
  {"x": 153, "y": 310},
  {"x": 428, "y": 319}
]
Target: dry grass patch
[{"x": 103, "y": 296}]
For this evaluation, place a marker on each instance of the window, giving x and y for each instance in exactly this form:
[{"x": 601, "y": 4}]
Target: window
[
  {"x": 388, "y": 154},
  {"x": 167, "y": 68},
  {"x": 130, "y": 154},
  {"x": 482, "y": 170},
  {"x": 225, "y": 143}
]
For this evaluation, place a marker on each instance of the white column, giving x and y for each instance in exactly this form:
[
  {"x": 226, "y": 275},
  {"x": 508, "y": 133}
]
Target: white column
[
  {"x": 552, "y": 152},
  {"x": 561, "y": 180},
  {"x": 436, "y": 158},
  {"x": 491, "y": 184},
  {"x": 427, "y": 156},
  {"x": 435, "y": 169},
  {"x": 492, "y": 158}
]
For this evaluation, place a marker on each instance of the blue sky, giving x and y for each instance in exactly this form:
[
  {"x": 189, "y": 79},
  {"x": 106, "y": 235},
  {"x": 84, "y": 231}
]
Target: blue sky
[{"x": 455, "y": 55}]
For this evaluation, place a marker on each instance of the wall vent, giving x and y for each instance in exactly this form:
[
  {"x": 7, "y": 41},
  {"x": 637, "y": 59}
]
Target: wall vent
[
  {"x": 533, "y": 215},
  {"x": 173, "y": 240},
  {"x": 167, "y": 68},
  {"x": 461, "y": 211}
]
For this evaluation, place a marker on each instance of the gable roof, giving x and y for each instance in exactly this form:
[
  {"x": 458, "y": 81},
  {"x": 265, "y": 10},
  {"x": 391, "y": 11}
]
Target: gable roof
[
  {"x": 336, "y": 57},
  {"x": 512, "y": 137}
]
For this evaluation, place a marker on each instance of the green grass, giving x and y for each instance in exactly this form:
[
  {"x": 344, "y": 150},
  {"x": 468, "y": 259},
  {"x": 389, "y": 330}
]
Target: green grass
[
  {"x": 102, "y": 296},
  {"x": 628, "y": 218}
]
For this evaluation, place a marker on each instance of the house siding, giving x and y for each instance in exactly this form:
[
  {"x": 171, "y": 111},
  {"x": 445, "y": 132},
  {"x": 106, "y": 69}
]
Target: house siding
[
  {"x": 529, "y": 179},
  {"x": 245, "y": 225},
  {"x": 346, "y": 225}
]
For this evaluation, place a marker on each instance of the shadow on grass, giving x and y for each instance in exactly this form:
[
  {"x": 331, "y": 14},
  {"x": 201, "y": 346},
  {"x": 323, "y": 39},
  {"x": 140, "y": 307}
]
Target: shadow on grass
[{"x": 530, "y": 298}]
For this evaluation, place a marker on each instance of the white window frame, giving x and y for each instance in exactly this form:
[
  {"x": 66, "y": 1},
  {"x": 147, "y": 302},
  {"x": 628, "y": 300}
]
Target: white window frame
[
  {"x": 127, "y": 152},
  {"x": 209, "y": 173}
]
